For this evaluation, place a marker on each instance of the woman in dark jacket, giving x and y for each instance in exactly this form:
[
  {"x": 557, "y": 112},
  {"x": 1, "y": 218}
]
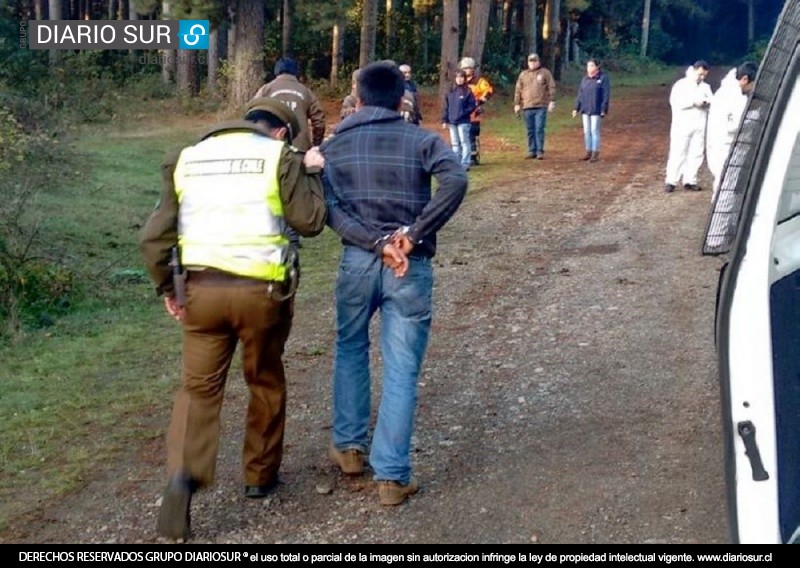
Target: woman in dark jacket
[
  {"x": 592, "y": 102},
  {"x": 458, "y": 105}
]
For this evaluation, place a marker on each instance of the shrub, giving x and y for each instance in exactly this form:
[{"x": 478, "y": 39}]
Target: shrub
[
  {"x": 34, "y": 293},
  {"x": 31, "y": 287}
]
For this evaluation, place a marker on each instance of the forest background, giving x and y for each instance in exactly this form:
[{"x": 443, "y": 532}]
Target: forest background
[{"x": 71, "y": 201}]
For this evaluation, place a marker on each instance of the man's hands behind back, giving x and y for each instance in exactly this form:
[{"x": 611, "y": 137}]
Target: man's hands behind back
[{"x": 395, "y": 253}]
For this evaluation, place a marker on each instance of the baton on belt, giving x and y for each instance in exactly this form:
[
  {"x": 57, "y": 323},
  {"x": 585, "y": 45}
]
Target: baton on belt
[{"x": 178, "y": 277}]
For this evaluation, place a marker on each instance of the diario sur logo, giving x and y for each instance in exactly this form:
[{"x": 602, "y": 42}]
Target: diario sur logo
[
  {"x": 119, "y": 34},
  {"x": 193, "y": 34}
]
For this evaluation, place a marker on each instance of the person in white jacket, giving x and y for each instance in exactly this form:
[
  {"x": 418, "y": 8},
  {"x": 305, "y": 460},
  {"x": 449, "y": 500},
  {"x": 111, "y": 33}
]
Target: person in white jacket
[
  {"x": 690, "y": 99},
  {"x": 724, "y": 116}
]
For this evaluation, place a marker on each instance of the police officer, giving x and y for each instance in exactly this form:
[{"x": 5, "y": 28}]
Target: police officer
[
  {"x": 288, "y": 89},
  {"x": 225, "y": 203}
]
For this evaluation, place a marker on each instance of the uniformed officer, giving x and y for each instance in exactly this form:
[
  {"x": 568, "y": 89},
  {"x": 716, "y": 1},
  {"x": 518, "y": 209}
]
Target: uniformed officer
[
  {"x": 225, "y": 204},
  {"x": 288, "y": 89}
]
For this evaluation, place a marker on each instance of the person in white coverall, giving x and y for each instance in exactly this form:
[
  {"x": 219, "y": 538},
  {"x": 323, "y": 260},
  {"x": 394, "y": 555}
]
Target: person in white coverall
[
  {"x": 690, "y": 99},
  {"x": 725, "y": 114}
]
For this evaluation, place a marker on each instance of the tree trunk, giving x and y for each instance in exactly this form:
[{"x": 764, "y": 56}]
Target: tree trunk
[
  {"x": 222, "y": 42},
  {"x": 530, "y": 29},
  {"x": 425, "y": 25},
  {"x": 575, "y": 54},
  {"x": 213, "y": 59},
  {"x": 476, "y": 29},
  {"x": 113, "y": 7},
  {"x": 337, "y": 51},
  {"x": 645, "y": 28},
  {"x": 751, "y": 22},
  {"x": 564, "y": 48},
  {"x": 518, "y": 44},
  {"x": 369, "y": 23},
  {"x": 186, "y": 72},
  {"x": 231, "y": 48},
  {"x": 124, "y": 10},
  {"x": 248, "y": 61},
  {"x": 550, "y": 31},
  {"x": 449, "y": 57},
  {"x": 287, "y": 19},
  {"x": 167, "y": 55},
  {"x": 508, "y": 24},
  {"x": 508, "y": 13},
  {"x": 132, "y": 15},
  {"x": 55, "y": 14},
  {"x": 40, "y": 9},
  {"x": 390, "y": 28}
]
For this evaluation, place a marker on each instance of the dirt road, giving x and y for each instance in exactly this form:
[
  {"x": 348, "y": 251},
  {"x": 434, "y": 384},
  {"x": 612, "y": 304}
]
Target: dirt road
[{"x": 569, "y": 393}]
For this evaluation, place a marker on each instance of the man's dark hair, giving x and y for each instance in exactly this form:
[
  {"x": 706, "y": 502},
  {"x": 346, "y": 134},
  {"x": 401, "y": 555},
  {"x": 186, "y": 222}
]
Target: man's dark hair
[
  {"x": 264, "y": 116},
  {"x": 747, "y": 69},
  {"x": 381, "y": 84},
  {"x": 701, "y": 64}
]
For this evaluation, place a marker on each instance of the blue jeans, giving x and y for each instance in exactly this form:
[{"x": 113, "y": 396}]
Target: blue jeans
[
  {"x": 591, "y": 132},
  {"x": 460, "y": 142},
  {"x": 535, "y": 121},
  {"x": 365, "y": 285}
]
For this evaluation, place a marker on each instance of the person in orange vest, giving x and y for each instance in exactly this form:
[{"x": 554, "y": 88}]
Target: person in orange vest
[{"x": 482, "y": 90}]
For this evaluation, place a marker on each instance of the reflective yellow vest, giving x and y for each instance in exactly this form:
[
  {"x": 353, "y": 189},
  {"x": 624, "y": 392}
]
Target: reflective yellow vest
[{"x": 230, "y": 214}]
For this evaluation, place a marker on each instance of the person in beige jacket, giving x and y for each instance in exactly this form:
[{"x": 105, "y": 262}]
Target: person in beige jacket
[
  {"x": 286, "y": 88},
  {"x": 535, "y": 96}
]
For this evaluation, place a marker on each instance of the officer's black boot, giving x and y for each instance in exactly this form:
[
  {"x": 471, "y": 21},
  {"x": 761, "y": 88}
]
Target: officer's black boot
[{"x": 173, "y": 518}]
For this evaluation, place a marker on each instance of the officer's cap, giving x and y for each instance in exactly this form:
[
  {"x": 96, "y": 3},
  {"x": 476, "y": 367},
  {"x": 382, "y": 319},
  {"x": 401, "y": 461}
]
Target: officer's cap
[{"x": 277, "y": 109}]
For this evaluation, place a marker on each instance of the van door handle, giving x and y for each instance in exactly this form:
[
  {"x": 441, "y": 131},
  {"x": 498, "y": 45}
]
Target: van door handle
[{"x": 747, "y": 431}]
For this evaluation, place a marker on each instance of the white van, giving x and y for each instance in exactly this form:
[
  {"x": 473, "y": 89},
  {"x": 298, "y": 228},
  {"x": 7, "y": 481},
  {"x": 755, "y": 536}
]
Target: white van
[{"x": 755, "y": 222}]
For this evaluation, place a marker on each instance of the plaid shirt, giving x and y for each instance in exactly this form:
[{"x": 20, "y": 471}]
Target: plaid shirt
[{"x": 377, "y": 178}]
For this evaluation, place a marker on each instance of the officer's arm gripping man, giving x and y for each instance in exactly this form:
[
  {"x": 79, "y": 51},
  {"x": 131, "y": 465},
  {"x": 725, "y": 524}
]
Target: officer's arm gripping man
[{"x": 301, "y": 193}]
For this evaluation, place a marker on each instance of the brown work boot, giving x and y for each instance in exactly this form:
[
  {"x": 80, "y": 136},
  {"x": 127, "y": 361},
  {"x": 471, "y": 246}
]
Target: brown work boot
[
  {"x": 587, "y": 157},
  {"x": 594, "y": 157},
  {"x": 350, "y": 461},
  {"x": 391, "y": 493},
  {"x": 173, "y": 518}
]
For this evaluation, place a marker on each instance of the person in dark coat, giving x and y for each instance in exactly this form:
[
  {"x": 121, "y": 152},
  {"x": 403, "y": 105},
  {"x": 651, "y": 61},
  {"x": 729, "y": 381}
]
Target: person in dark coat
[
  {"x": 459, "y": 103},
  {"x": 592, "y": 103}
]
